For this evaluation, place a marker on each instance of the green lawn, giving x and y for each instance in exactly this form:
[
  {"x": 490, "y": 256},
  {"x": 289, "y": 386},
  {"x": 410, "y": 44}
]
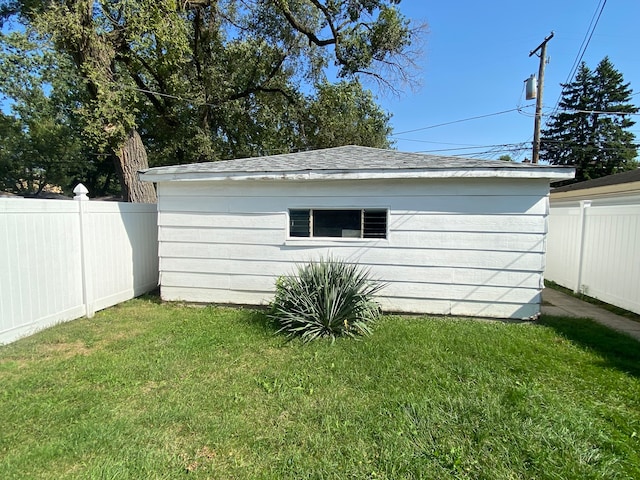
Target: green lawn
[{"x": 150, "y": 391}]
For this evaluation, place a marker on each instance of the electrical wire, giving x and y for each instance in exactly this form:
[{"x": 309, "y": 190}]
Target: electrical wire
[
  {"x": 583, "y": 48},
  {"x": 175, "y": 97},
  {"x": 501, "y": 146},
  {"x": 455, "y": 121},
  {"x": 602, "y": 112},
  {"x": 437, "y": 143}
]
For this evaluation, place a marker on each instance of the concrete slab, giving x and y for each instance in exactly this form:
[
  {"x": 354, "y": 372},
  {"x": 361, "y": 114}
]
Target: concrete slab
[{"x": 565, "y": 305}]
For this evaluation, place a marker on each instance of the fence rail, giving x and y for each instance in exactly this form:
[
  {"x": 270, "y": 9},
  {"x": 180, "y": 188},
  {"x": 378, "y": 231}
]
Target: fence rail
[
  {"x": 593, "y": 248},
  {"x": 61, "y": 260}
]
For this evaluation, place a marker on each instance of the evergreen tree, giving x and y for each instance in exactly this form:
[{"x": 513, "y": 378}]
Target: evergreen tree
[{"x": 590, "y": 130}]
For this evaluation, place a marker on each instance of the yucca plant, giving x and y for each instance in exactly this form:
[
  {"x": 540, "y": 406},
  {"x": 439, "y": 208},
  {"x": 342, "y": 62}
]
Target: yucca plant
[{"x": 327, "y": 298}]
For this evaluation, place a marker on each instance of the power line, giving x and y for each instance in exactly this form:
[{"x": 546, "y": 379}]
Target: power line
[
  {"x": 175, "y": 97},
  {"x": 523, "y": 146},
  {"x": 494, "y": 152},
  {"x": 437, "y": 143},
  {"x": 583, "y": 48},
  {"x": 500, "y": 145},
  {"x": 602, "y": 112},
  {"x": 587, "y": 38},
  {"x": 456, "y": 121}
]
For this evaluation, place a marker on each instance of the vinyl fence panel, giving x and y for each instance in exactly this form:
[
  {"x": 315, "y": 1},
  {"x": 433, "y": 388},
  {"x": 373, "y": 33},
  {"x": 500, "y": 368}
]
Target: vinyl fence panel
[
  {"x": 593, "y": 248},
  {"x": 60, "y": 260}
]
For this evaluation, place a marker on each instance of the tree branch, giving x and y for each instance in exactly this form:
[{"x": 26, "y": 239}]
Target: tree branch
[{"x": 310, "y": 34}]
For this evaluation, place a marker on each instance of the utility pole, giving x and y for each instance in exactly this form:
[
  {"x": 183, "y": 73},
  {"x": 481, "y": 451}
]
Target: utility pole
[{"x": 538, "y": 118}]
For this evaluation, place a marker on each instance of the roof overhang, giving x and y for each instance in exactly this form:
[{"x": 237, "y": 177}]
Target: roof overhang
[{"x": 167, "y": 174}]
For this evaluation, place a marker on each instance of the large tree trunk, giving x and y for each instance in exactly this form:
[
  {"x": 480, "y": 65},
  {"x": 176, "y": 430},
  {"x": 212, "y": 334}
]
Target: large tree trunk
[{"x": 130, "y": 158}]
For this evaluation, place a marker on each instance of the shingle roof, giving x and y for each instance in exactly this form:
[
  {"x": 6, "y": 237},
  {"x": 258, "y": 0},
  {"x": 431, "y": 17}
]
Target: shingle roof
[
  {"x": 340, "y": 160},
  {"x": 615, "y": 179}
]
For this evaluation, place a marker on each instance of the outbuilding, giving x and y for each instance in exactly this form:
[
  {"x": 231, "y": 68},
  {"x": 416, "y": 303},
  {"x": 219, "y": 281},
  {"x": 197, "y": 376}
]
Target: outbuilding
[{"x": 448, "y": 235}]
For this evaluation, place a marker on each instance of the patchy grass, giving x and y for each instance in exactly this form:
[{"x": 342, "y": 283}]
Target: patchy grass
[{"x": 167, "y": 392}]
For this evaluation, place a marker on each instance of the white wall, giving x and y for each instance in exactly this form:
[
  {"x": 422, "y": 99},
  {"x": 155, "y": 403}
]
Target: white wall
[
  {"x": 60, "y": 260},
  {"x": 456, "y": 246},
  {"x": 593, "y": 248}
]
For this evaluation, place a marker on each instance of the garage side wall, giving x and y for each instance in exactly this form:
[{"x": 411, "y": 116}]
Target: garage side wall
[{"x": 455, "y": 246}]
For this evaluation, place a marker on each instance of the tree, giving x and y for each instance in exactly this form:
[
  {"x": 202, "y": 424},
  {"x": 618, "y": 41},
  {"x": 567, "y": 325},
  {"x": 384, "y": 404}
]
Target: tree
[
  {"x": 344, "y": 114},
  {"x": 505, "y": 158},
  {"x": 590, "y": 130},
  {"x": 200, "y": 80},
  {"x": 42, "y": 136}
]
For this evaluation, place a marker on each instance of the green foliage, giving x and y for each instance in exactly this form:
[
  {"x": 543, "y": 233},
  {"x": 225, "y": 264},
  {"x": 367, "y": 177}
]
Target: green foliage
[
  {"x": 202, "y": 80},
  {"x": 584, "y": 134},
  {"x": 328, "y": 298},
  {"x": 345, "y": 114},
  {"x": 43, "y": 142}
]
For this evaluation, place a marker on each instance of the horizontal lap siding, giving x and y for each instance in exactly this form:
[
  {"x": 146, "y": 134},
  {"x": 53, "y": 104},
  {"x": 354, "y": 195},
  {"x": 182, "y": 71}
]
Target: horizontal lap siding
[{"x": 455, "y": 246}]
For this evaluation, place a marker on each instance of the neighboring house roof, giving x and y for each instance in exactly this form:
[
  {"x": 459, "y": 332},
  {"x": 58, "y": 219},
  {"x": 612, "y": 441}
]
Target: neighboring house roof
[
  {"x": 622, "y": 187},
  {"x": 352, "y": 162},
  {"x": 616, "y": 179}
]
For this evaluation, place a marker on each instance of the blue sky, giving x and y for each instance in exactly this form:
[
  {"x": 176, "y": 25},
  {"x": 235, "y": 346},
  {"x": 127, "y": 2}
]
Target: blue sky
[{"x": 475, "y": 60}]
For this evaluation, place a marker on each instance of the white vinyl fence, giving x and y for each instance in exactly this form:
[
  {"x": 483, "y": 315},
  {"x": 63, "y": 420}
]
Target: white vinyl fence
[
  {"x": 61, "y": 260},
  {"x": 593, "y": 248}
]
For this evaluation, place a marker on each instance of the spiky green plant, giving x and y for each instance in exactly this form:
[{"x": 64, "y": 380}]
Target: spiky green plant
[{"x": 327, "y": 298}]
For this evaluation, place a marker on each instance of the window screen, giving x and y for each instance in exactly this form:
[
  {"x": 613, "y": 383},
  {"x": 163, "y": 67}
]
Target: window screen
[
  {"x": 374, "y": 224},
  {"x": 299, "y": 222}
]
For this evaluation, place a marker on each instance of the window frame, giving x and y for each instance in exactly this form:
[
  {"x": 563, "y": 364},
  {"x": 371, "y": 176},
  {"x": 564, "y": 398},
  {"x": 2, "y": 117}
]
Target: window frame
[{"x": 360, "y": 238}]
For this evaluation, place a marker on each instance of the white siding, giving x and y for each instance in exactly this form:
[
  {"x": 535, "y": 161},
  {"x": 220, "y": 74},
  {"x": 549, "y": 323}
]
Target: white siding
[
  {"x": 456, "y": 246},
  {"x": 594, "y": 250},
  {"x": 60, "y": 260}
]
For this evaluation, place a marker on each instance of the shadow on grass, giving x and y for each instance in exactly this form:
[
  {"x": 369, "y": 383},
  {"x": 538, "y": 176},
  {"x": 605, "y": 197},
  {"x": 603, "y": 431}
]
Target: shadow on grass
[
  {"x": 153, "y": 296},
  {"x": 258, "y": 317},
  {"x": 616, "y": 349}
]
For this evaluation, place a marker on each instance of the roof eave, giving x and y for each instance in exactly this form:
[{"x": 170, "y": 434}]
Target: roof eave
[{"x": 551, "y": 173}]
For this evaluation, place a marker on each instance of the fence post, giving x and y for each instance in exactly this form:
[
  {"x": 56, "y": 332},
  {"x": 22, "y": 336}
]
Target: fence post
[
  {"x": 584, "y": 204},
  {"x": 87, "y": 285}
]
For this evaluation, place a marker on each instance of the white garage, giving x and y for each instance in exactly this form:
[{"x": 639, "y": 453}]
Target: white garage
[{"x": 447, "y": 235}]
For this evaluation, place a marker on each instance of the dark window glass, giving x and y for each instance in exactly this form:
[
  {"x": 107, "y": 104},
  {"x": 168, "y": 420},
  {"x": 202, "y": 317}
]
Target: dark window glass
[{"x": 336, "y": 223}]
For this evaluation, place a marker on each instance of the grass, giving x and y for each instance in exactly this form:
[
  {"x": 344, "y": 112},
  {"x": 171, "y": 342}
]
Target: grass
[{"x": 154, "y": 391}]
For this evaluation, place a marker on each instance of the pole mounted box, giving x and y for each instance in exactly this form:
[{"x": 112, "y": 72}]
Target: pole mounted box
[{"x": 531, "y": 87}]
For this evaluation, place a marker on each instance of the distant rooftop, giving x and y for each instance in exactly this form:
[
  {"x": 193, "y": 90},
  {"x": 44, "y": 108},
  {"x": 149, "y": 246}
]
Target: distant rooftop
[
  {"x": 615, "y": 179},
  {"x": 350, "y": 161}
]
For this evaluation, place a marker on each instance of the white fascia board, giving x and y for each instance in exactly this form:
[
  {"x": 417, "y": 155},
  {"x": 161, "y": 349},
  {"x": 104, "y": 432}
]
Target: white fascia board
[{"x": 549, "y": 173}]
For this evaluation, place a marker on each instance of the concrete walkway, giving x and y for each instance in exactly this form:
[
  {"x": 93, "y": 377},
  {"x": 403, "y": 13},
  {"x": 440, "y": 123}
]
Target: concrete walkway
[{"x": 567, "y": 306}]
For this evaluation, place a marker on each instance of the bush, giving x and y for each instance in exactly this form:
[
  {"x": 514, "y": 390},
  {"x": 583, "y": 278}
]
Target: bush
[{"x": 328, "y": 298}]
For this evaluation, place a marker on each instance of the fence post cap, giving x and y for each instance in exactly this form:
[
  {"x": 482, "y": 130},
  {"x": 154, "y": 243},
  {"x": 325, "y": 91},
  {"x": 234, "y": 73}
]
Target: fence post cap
[{"x": 81, "y": 192}]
